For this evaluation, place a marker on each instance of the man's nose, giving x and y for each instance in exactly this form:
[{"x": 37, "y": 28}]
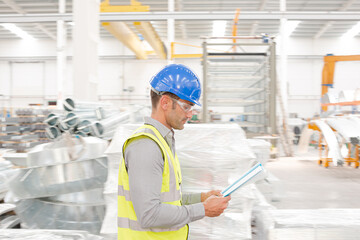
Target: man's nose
[{"x": 189, "y": 114}]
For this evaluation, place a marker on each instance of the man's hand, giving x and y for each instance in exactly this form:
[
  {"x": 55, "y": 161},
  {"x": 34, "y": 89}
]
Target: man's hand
[
  {"x": 206, "y": 195},
  {"x": 214, "y": 205}
]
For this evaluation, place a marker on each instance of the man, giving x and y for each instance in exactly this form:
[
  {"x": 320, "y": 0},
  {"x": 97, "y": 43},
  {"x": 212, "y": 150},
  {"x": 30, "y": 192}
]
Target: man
[{"x": 150, "y": 202}]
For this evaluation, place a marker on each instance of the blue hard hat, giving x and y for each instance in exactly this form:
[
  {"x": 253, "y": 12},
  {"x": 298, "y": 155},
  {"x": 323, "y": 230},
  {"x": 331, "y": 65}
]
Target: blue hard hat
[{"x": 179, "y": 80}]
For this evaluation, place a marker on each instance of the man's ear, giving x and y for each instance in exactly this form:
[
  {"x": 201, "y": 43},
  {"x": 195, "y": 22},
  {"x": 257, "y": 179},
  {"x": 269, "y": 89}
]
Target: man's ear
[{"x": 165, "y": 102}]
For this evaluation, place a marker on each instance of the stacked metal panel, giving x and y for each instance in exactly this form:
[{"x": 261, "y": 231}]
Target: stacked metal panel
[
  {"x": 62, "y": 185},
  {"x": 23, "y": 131}
]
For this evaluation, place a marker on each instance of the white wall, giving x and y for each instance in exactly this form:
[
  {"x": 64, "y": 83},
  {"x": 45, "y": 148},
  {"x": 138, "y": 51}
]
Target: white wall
[
  {"x": 305, "y": 71},
  {"x": 117, "y": 75}
]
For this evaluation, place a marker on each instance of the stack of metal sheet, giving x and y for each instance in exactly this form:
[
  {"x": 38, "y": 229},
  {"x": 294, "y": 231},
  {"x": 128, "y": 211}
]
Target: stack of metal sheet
[
  {"x": 62, "y": 186},
  {"x": 23, "y": 131}
]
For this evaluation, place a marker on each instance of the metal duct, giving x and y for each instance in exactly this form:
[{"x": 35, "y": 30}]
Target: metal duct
[
  {"x": 47, "y": 214},
  {"x": 74, "y": 176}
]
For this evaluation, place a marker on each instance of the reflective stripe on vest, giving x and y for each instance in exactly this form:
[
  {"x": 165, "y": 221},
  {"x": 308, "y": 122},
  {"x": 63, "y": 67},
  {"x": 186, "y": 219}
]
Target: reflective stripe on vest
[{"x": 128, "y": 224}]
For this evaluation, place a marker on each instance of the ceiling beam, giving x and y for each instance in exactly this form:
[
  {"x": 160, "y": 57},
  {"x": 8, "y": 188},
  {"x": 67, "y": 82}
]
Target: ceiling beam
[
  {"x": 323, "y": 29},
  {"x": 255, "y": 25},
  {"x": 46, "y": 31},
  {"x": 123, "y": 33},
  {"x": 152, "y": 37},
  {"x": 11, "y": 4},
  {"x": 327, "y": 25},
  {"x": 163, "y": 16}
]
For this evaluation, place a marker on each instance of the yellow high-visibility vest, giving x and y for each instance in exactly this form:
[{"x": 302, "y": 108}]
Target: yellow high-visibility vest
[{"x": 128, "y": 225}]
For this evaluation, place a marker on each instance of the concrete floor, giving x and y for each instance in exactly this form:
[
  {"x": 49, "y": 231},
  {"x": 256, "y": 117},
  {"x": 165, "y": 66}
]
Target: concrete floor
[{"x": 306, "y": 185}]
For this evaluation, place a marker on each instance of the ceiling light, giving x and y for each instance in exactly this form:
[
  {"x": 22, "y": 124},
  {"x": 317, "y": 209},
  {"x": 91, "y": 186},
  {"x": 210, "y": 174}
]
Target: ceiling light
[
  {"x": 355, "y": 30},
  {"x": 219, "y": 28},
  {"x": 18, "y": 31},
  {"x": 290, "y": 26}
]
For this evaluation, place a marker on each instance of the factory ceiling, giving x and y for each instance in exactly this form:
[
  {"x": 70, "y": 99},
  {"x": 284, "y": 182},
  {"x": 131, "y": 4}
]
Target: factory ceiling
[{"x": 318, "y": 18}]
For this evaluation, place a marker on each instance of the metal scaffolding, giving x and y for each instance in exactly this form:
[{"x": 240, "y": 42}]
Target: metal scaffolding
[{"x": 240, "y": 86}]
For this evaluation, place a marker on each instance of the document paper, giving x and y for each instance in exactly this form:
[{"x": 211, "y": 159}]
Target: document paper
[{"x": 248, "y": 177}]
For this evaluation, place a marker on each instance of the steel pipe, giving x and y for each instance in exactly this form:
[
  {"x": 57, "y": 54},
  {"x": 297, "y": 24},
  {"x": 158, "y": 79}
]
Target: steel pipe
[
  {"x": 52, "y": 132},
  {"x": 63, "y": 126},
  {"x": 70, "y": 105},
  {"x": 51, "y": 119},
  {"x": 84, "y": 126},
  {"x": 100, "y": 128}
]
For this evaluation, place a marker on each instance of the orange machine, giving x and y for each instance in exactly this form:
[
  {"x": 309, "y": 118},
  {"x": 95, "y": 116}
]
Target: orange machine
[{"x": 328, "y": 72}]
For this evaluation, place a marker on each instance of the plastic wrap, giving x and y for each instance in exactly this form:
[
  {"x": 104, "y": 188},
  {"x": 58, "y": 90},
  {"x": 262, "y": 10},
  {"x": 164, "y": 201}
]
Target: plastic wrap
[
  {"x": 314, "y": 234},
  {"x": 347, "y": 96},
  {"x": 312, "y": 221},
  {"x": 74, "y": 176},
  {"x": 330, "y": 97},
  {"x": 46, "y": 214},
  {"x": 25, "y": 234},
  {"x": 357, "y": 94},
  {"x": 216, "y": 146},
  {"x": 345, "y": 127},
  {"x": 271, "y": 188},
  {"x": 211, "y": 156},
  {"x": 261, "y": 148}
]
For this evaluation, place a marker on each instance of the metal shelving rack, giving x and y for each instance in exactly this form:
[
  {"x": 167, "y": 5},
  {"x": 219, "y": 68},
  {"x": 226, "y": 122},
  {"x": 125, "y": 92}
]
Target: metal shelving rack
[
  {"x": 241, "y": 85},
  {"x": 24, "y": 130}
]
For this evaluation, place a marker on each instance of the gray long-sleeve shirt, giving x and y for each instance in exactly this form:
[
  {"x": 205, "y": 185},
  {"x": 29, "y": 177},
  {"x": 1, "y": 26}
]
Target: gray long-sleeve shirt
[{"x": 145, "y": 164}]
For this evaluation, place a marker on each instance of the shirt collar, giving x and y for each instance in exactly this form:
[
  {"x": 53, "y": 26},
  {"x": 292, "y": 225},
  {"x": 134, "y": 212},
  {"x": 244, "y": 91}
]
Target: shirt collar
[{"x": 159, "y": 126}]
